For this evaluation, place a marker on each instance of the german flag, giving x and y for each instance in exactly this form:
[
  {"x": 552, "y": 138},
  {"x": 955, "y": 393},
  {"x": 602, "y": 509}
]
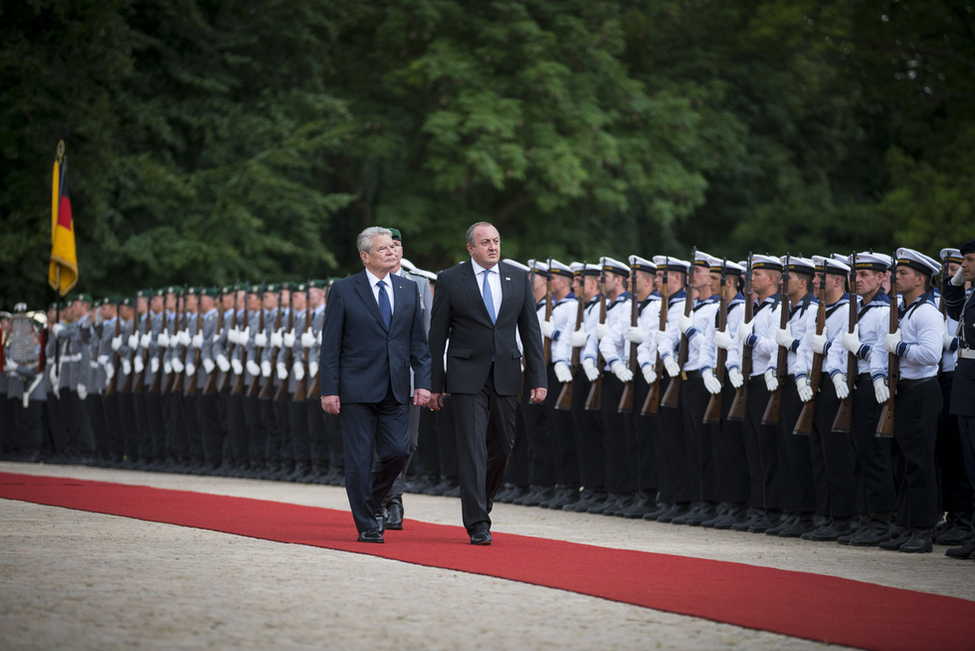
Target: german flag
[{"x": 62, "y": 274}]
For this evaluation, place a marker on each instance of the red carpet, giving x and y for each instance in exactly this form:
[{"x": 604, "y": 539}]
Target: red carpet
[{"x": 822, "y": 608}]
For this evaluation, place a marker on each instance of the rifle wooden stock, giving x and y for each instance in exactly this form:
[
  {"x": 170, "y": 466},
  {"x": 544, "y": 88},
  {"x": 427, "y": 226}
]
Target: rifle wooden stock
[
  {"x": 594, "y": 400},
  {"x": 773, "y": 410},
  {"x": 626, "y": 400},
  {"x": 564, "y": 400},
  {"x": 739, "y": 405},
  {"x": 843, "y": 422},
  {"x": 672, "y": 394},
  {"x": 565, "y": 395},
  {"x": 651, "y": 404},
  {"x": 712, "y": 414},
  {"x": 804, "y": 425},
  {"x": 885, "y": 426}
]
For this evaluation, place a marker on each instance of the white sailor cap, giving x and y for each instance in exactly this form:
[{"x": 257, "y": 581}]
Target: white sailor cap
[
  {"x": 728, "y": 266},
  {"x": 799, "y": 265},
  {"x": 917, "y": 261},
  {"x": 559, "y": 269},
  {"x": 870, "y": 261},
  {"x": 766, "y": 262},
  {"x": 702, "y": 259},
  {"x": 614, "y": 266},
  {"x": 668, "y": 263},
  {"x": 842, "y": 258},
  {"x": 952, "y": 255},
  {"x": 406, "y": 264},
  {"x": 429, "y": 275},
  {"x": 642, "y": 264},
  {"x": 580, "y": 269},
  {"x": 831, "y": 266},
  {"x": 515, "y": 263},
  {"x": 538, "y": 267}
]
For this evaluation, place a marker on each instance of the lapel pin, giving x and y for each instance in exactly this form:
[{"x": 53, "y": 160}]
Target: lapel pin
[{"x": 506, "y": 278}]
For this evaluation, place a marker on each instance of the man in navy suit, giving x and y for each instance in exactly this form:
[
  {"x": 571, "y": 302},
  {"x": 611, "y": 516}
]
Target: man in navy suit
[
  {"x": 479, "y": 306},
  {"x": 373, "y": 334}
]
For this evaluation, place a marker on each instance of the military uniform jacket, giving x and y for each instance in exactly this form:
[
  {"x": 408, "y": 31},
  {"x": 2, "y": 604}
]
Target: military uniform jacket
[{"x": 962, "y": 308}]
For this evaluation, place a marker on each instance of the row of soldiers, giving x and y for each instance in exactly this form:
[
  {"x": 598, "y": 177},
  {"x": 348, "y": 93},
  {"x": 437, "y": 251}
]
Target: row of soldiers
[{"x": 672, "y": 397}]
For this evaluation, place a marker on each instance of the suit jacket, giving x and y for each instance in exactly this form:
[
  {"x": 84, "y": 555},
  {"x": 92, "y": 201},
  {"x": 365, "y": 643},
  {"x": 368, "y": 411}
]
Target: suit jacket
[
  {"x": 459, "y": 315},
  {"x": 359, "y": 357}
]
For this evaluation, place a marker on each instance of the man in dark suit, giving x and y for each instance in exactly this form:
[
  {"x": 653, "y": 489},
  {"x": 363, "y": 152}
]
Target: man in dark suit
[
  {"x": 479, "y": 305},
  {"x": 373, "y": 334}
]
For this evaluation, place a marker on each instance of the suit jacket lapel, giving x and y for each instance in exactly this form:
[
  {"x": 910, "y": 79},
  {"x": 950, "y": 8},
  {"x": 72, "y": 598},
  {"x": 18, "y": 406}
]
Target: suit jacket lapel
[
  {"x": 400, "y": 298},
  {"x": 365, "y": 292},
  {"x": 508, "y": 290},
  {"x": 470, "y": 280}
]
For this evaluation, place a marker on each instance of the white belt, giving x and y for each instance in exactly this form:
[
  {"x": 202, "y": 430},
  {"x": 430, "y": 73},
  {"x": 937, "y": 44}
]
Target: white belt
[{"x": 966, "y": 353}]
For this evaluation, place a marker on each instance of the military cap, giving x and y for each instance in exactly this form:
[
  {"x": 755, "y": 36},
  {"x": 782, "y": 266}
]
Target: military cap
[
  {"x": 84, "y": 298},
  {"x": 728, "y": 266},
  {"x": 766, "y": 262},
  {"x": 395, "y": 234},
  {"x": 193, "y": 291},
  {"x": 515, "y": 263},
  {"x": 917, "y": 261},
  {"x": 538, "y": 267},
  {"x": 614, "y": 266},
  {"x": 406, "y": 264},
  {"x": 642, "y": 264},
  {"x": 952, "y": 255},
  {"x": 128, "y": 301},
  {"x": 208, "y": 291},
  {"x": 174, "y": 289},
  {"x": 702, "y": 259},
  {"x": 668, "y": 263},
  {"x": 300, "y": 287},
  {"x": 254, "y": 289},
  {"x": 870, "y": 261},
  {"x": 831, "y": 265},
  {"x": 319, "y": 283},
  {"x": 557, "y": 268},
  {"x": 967, "y": 247},
  {"x": 581, "y": 269},
  {"x": 799, "y": 265},
  {"x": 272, "y": 287}
]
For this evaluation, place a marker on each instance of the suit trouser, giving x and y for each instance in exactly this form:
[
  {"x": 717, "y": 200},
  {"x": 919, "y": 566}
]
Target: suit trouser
[
  {"x": 698, "y": 435},
  {"x": 444, "y": 422},
  {"x": 426, "y": 461},
  {"x": 833, "y": 457},
  {"x": 761, "y": 443},
  {"x": 798, "y": 486},
  {"x": 376, "y": 442},
  {"x": 644, "y": 433},
  {"x": 915, "y": 429},
  {"x": 414, "y": 424},
  {"x": 873, "y": 452},
  {"x": 955, "y": 495},
  {"x": 484, "y": 425}
]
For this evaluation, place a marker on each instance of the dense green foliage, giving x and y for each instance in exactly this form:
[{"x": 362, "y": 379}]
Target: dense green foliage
[{"x": 210, "y": 140}]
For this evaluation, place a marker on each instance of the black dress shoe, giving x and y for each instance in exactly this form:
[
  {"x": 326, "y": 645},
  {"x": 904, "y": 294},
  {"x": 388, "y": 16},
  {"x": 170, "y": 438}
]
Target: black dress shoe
[
  {"x": 872, "y": 535},
  {"x": 920, "y": 541},
  {"x": 965, "y": 552},
  {"x": 394, "y": 516},
  {"x": 898, "y": 537},
  {"x": 954, "y": 535},
  {"x": 481, "y": 537},
  {"x": 800, "y": 525},
  {"x": 371, "y": 536}
]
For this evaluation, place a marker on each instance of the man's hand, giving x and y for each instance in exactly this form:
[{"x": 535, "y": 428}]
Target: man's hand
[
  {"x": 331, "y": 404},
  {"x": 435, "y": 402},
  {"x": 421, "y": 397},
  {"x": 538, "y": 394}
]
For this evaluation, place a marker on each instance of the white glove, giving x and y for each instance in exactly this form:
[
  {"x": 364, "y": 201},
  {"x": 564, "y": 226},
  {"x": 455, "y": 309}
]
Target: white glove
[
  {"x": 282, "y": 371},
  {"x": 109, "y": 372},
  {"x": 601, "y": 330},
  {"x": 237, "y": 366},
  {"x": 818, "y": 343},
  {"x": 771, "y": 379},
  {"x": 649, "y": 373},
  {"x": 277, "y": 339},
  {"x": 116, "y": 343},
  {"x": 133, "y": 342},
  {"x": 52, "y": 374},
  {"x": 56, "y": 329},
  {"x": 548, "y": 328},
  {"x": 734, "y": 376},
  {"x": 154, "y": 364},
  {"x": 589, "y": 368},
  {"x": 233, "y": 335},
  {"x": 145, "y": 340},
  {"x": 783, "y": 336},
  {"x": 260, "y": 340},
  {"x": 562, "y": 372},
  {"x": 578, "y": 338},
  {"x": 222, "y": 363},
  {"x": 266, "y": 368},
  {"x": 289, "y": 339},
  {"x": 851, "y": 340},
  {"x": 103, "y": 360},
  {"x": 167, "y": 367},
  {"x": 82, "y": 391},
  {"x": 880, "y": 390},
  {"x": 621, "y": 371},
  {"x": 208, "y": 365},
  {"x": 183, "y": 338},
  {"x": 244, "y": 337},
  {"x": 892, "y": 340},
  {"x": 711, "y": 382},
  {"x": 308, "y": 339},
  {"x": 842, "y": 390},
  {"x": 312, "y": 369},
  {"x": 959, "y": 278},
  {"x": 723, "y": 340},
  {"x": 804, "y": 388},
  {"x": 635, "y": 335},
  {"x": 126, "y": 367},
  {"x": 685, "y": 323},
  {"x": 177, "y": 365},
  {"x": 139, "y": 364},
  {"x": 190, "y": 369},
  {"x": 163, "y": 339},
  {"x": 299, "y": 370},
  {"x": 252, "y": 368},
  {"x": 197, "y": 340},
  {"x": 745, "y": 330},
  {"x": 671, "y": 366}
]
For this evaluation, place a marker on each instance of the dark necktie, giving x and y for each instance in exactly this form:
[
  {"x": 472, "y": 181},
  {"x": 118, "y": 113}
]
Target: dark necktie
[{"x": 384, "y": 307}]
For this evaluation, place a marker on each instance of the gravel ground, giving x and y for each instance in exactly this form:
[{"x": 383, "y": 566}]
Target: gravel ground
[{"x": 70, "y": 579}]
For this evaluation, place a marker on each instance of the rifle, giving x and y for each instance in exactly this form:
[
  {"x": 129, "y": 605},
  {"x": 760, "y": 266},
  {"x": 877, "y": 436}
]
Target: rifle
[
  {"x": 179, "y": 376},
  {"x": 313, "y": 388},
  {"x": 267, "y": 391},
  {"x": 547, "y": 344},
  {"x": 595, "y": 398},
  {"x": 140, "y": 380},
  {"x": 211, "y": 384},
  {"x": 301, "y": 388},
  {"x": 805, "y": 423},
  {"x": 652, "y": 402},
  {"x": 626, "y": 400},
  {"x": 112, "y": 387},
  {"x": 773, "y": 411},
  {"x": 843, "y": 422},
  {"x": 738, "y": 405},
  {"x": 941, "y": 303},
  {"x": 713, "y": 412},
  {"x": 160, "y": 353},
  {"x": 565, "y": 394},
  {"x": 191, "y": 384},
  {"x": 289, "y": 352},
  {"x": 672, "y": 395},
  {"x": 238, "y": 387},
  {"x": 885, "y": 426}
]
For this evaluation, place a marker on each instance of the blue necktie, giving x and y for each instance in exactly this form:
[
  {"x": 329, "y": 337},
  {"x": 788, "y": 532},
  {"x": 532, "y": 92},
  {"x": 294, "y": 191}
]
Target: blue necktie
[
  {"x": 384, "y": 307},
  {"x": 488, "y": 297}
]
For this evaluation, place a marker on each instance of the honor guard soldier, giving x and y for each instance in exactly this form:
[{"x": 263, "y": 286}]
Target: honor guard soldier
[
  {"x": 205, "y": 338},
  {"x": 122, "y": 346},
  {"x": 917, "y": 343},
  {"x": 960, "y": 305},
  {"x": 23, "y": 372}
]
